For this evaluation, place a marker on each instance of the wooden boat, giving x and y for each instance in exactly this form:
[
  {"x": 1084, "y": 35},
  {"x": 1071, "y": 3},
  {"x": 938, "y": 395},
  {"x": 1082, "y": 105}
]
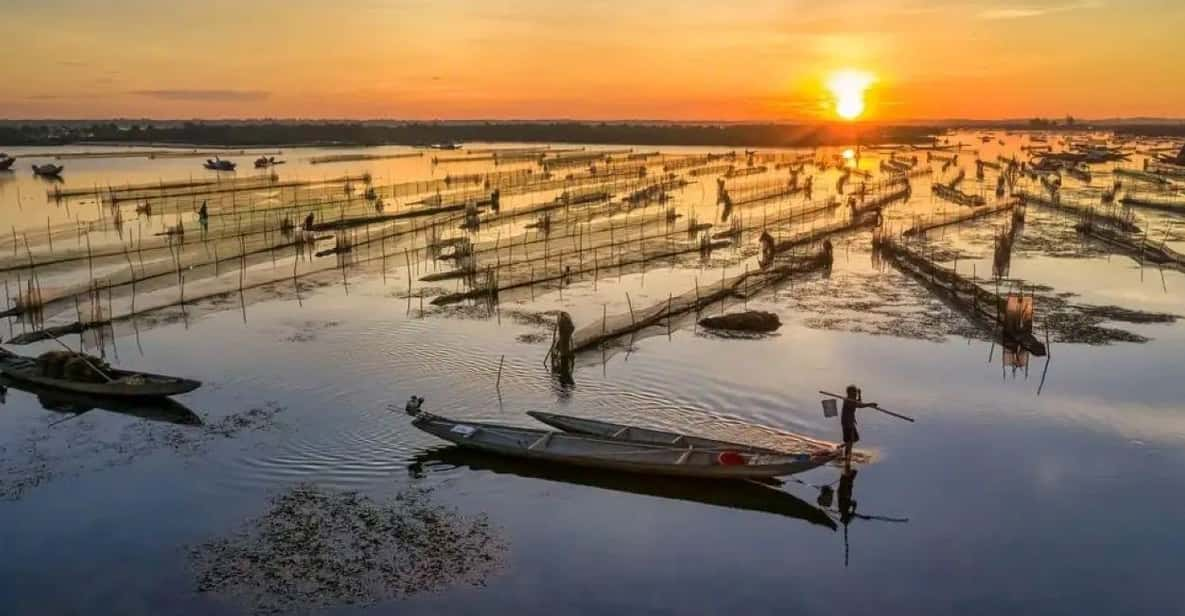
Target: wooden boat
[
  {"x": 735, "y": 495},
  {"x": 124, "y": 383},
  {"x": 263, "y": 162},
  {"x": 165, "y": 410},
  {"x": 48, "y": 170},
  {"x": 616, "y": 455},
  {"x": 217, "y": 164},
  {"x": 622, "y": 432}
]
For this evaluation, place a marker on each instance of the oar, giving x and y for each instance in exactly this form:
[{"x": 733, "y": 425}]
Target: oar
[{"x": 847, "y": 399}]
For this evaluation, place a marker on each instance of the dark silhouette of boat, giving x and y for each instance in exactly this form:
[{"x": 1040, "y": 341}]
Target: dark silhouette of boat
[
  {"x": 731, "y": 494},
  {"x": 217, "y": 164},
  {"x": 6, "y": 162},
  {"x": 164, "y": 410},
  {"x": 115, "y": 383},
  {"x": 48, "y": 170},
  {"x": 263, "y": 162}
]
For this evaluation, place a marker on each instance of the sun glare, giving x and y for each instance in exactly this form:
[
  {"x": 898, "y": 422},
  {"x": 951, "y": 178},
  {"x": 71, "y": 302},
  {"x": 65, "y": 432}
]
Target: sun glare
[{"x": 848, "y": 88}]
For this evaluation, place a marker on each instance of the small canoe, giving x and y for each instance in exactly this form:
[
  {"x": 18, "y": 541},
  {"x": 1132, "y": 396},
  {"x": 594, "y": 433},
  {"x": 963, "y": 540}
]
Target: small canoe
[
  {"x": 124, "y": 383},
  {"x": 616, "y": 455},
  {"x": 48, "y": 170},
  {"x": 165, "y": 410},
  {"x": 635, "y": 434}
]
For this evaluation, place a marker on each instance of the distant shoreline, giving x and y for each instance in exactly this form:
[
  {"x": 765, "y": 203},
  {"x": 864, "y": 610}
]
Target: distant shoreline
[{"x": 352, "y": 134}]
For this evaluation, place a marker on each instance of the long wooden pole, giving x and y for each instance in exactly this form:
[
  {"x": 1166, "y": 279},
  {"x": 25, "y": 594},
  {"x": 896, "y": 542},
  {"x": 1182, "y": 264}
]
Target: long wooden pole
[{"x": 847, "y": 399}]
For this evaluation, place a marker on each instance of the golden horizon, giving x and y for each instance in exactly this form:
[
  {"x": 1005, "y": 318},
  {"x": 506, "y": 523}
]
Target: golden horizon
[{"x": 764, "y": 61}]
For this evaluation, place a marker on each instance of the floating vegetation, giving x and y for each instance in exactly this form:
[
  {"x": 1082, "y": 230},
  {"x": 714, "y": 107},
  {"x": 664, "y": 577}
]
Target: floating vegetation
[{"x": 316, "y": 548}]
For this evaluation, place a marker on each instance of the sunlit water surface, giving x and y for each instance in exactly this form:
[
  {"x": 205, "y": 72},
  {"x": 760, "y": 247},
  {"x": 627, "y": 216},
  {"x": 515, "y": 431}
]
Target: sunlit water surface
[{"x": 1052, "y": 489}]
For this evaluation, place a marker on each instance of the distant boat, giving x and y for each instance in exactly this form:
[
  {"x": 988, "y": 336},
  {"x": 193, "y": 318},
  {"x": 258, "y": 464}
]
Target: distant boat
[
  {"x": 6, "y": 162},
  {"x": 217, "y": 164},
  {"x": 48, "y": 170},
  {"x": 445, "y": 146},
  {"x": 263, "y": 162}
]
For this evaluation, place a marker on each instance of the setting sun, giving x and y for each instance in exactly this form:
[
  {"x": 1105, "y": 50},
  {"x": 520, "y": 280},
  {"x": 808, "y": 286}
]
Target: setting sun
[{"x": 848, "y": 88}]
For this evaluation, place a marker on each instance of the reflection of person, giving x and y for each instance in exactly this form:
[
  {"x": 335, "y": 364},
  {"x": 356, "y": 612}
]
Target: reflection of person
[
  {"x": 846, "y": 505},
  {"x": 847, "y": 419}
]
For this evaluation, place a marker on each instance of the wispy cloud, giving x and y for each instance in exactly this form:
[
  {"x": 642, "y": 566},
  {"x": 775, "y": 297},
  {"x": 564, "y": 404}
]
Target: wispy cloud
[
  {"x": 1025, "y": 11},
  {"x": 205, "y": 95}
]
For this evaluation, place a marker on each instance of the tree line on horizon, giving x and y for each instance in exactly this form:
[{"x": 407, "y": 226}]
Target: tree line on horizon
[{"x": 425, "y": 133}]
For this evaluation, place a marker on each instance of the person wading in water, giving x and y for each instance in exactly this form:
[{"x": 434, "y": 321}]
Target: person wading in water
[{"x": 847, "y": 419}]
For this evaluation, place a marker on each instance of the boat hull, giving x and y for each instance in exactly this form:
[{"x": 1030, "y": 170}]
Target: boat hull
[
  {"x": 138, "y": 385},
  {"x": 622, "y": 432},
  {"x": 607, "y": 454}
]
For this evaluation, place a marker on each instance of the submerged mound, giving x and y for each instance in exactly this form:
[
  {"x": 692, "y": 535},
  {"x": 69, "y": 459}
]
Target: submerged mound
[{"x": 748, "y": 321}]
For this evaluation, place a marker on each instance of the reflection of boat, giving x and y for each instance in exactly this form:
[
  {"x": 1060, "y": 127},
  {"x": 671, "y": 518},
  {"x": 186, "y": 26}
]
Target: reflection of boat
[
  {"x": 742, "y": 495},
  {"x": 124, "y": 383},
  {"x": 217, "y": 164},
  {"x": 636, "y": 434},
  {"x": 153, "y": 409},
  {"x": 608, "y": 454},
  {"x": 48, "y": 170}
]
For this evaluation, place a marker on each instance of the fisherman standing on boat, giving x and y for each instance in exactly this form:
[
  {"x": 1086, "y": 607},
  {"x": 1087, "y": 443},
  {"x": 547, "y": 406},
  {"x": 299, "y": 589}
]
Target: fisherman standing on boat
[{"x": 847, "y": 419}]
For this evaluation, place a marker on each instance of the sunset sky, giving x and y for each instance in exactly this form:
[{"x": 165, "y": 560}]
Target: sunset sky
[{"x": 591, "y": 59}]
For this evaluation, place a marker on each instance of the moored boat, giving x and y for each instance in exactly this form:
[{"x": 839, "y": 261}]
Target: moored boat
[
  {"x": 263, "y": 162},
  {"x": 217, "y": 164},
  {"x": 6, "y": 162},
  {"x": 48, "y": 170},
  {"x": 104, "y": 381},
  {"x": 157, "y": 409},
  {"x": 616, "y": 455},
  {"x": 636, "y": 434}
]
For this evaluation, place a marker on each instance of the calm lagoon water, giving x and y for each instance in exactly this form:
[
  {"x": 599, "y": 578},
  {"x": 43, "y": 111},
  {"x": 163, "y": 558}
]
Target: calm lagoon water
[{"x": 999, "y": 499}]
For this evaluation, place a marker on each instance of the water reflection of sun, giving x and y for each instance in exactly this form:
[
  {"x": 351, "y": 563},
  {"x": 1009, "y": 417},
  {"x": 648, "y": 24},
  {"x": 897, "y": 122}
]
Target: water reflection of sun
[{"x": 848, "y": 88}]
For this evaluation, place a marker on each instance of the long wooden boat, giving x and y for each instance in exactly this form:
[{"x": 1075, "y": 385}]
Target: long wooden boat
[
  {"x": 635, "y": 434},
  {"x": 616, "y": 455},
  {"x": 124, "y": 383},
  {"x": 166, "y": 410}
]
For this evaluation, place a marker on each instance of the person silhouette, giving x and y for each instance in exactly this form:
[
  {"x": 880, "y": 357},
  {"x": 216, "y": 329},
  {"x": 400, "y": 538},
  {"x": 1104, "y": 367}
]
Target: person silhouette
[{"x": 847, "y": 419}]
